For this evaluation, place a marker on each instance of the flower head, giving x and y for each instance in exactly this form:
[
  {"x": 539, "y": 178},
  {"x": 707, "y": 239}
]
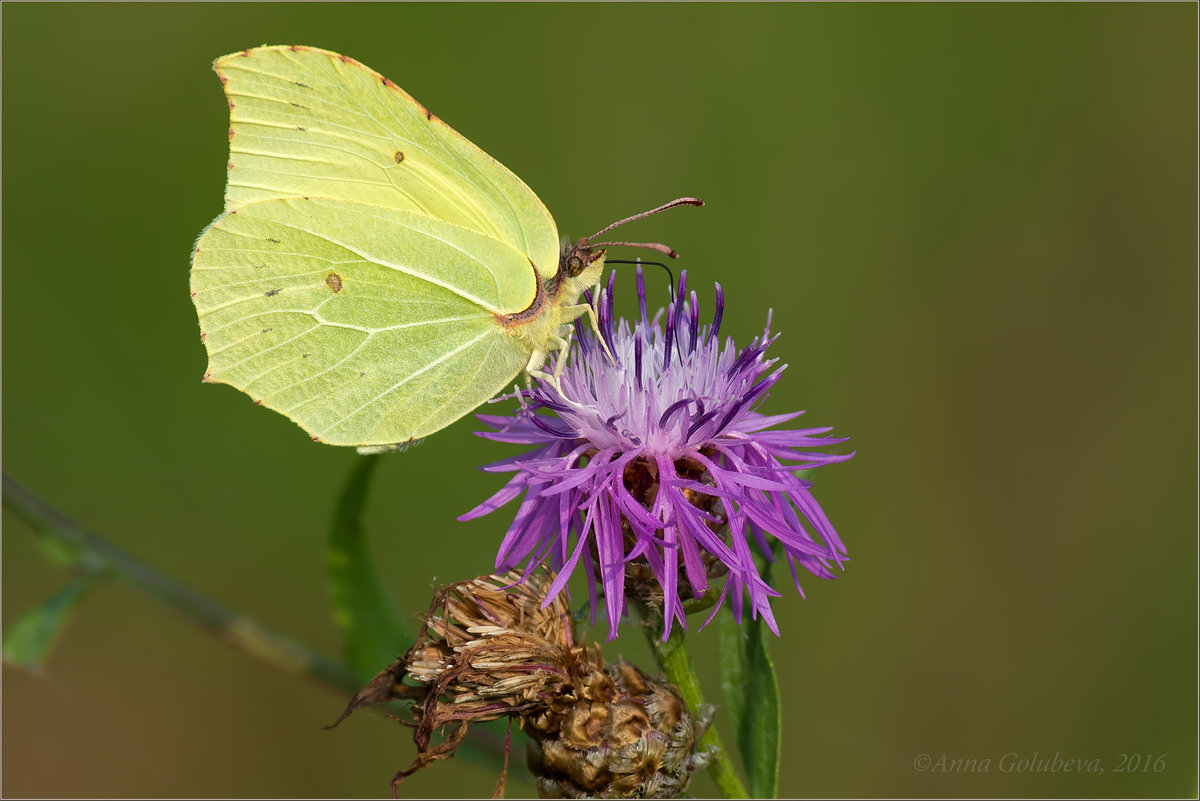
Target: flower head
[{"x": 656, "y": 465}]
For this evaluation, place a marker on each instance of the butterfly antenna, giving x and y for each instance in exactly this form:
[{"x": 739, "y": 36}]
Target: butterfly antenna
[
  {"x": 655, "y": 246},
  {"x": 680, "y": 201}
]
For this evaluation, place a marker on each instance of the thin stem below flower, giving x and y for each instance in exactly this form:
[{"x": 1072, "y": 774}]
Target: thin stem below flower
[{"x": 676, "y": 663}]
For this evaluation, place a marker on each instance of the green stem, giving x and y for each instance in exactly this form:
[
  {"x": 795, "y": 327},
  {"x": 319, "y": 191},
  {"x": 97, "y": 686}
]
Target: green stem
[
  {"x": 674, "y": 660},
  {"x": 95, "y": 555}
]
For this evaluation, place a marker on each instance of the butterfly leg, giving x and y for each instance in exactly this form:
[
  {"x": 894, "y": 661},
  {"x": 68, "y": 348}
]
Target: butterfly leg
[
  {"x": 585, "y": 308},
  {"x": 564, "y": 348},
  {"x": 533, "y": 369}
]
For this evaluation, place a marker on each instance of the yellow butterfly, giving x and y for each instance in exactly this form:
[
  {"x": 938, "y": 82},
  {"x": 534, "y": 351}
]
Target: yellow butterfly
[{"x": 374, "y": 276}]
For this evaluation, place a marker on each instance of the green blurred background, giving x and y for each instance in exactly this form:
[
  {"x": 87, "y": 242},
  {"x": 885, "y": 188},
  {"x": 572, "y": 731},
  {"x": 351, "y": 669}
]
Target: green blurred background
[{"x": 976, "y": 225}]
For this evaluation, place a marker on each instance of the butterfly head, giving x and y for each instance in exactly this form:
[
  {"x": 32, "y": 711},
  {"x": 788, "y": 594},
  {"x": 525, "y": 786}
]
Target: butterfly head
[
  {"x": 579, "y": 258},
  {"x": 579, "y": 267}
]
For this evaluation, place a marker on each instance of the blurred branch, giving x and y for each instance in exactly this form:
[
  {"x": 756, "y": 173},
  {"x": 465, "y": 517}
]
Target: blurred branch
[{"x": 93, "y": 554}]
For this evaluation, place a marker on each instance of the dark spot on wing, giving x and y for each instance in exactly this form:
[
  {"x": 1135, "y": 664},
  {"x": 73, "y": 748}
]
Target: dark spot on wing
[
  {"x": 399, "y": 156},
  {"x": 334, "y": 282},
  {"x": 305, "y": 355},
  {"x": 258, "y": 401},
  {"x": 267, "y": 330},
  {"x": 273, "y": 241},
  {"x": 273, "y": 292},
  {"x": 301, "y": 128},
  {"x": 297, "y": 105},
  {"x": 303, "y": 85},
  {"x": 428, "y": 115},
  {"x": 230, "y": 133}
]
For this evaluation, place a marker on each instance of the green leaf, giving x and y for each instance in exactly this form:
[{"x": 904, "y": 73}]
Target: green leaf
[
  {"x": 59, "y": 553},
  {"x": 752, "y": 700},
  {"x": 27, "y": 642},
  {"x": 372, "y": 634}
]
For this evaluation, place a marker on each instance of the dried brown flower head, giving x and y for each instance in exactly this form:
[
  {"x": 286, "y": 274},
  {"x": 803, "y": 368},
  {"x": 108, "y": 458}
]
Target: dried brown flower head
[{"x": 488, "y": 650}]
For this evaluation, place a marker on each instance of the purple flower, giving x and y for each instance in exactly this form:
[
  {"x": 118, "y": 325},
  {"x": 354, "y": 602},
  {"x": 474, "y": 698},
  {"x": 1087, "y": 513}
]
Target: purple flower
[{"x": 662, "y": 460}]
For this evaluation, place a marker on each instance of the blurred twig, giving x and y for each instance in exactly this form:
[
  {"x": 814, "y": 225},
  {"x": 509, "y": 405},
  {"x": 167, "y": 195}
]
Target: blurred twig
[{"x": 93, "y": 554}]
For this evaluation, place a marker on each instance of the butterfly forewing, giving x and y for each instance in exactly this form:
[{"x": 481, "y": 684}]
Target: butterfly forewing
[{"x": 311, "y": 123}]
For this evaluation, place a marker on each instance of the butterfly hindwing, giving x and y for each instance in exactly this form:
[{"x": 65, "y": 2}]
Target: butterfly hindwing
[{"x": 365, "y": 325}]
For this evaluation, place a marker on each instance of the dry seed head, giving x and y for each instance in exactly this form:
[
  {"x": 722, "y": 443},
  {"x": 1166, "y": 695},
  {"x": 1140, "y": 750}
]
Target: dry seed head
[
  {"x": 627, "y": 736},
  {"x": 488, "y": 649}
]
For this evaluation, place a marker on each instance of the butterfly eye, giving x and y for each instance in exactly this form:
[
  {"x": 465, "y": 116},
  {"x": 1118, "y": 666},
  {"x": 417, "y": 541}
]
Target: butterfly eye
[{"x": 575, "y": 265}]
